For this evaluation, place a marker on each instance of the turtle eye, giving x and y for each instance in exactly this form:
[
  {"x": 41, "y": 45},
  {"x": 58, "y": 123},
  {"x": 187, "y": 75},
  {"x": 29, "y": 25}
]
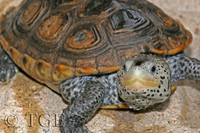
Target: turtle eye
[
  {"x": 127, "y": 65},
  {"x": 153, "y": 69}
]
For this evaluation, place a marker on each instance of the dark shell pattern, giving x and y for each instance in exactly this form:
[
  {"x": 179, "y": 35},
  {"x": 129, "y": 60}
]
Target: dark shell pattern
[{"x": 54, "y": 40}]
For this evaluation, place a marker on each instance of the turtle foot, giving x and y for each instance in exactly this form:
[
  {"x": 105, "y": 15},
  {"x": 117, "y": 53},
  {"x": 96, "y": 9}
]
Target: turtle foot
[
  {"x": 67, "y": 125},
  {"x": 82, "y": 129},
  {"x": 7, "y": 67},
  {"x": 75, "y": 116}
]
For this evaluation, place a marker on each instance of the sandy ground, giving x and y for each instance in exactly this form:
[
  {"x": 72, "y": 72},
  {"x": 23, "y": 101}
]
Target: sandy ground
[{"x": 27, "y": 106}]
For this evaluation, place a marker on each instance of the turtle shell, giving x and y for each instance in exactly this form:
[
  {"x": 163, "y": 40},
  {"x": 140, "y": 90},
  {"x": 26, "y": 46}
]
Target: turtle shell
[{"x": 54, "y": 40}]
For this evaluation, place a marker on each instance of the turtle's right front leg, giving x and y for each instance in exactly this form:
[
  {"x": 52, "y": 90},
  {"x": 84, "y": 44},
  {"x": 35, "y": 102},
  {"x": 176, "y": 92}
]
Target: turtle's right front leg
[
  {"x": 7, "y": 66},
  {"x": 82, "y": 108}
]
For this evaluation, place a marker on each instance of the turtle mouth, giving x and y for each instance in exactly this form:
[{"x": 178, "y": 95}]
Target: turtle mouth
[
  {"x": 137, "y": 80},
  {"x": 141, "y": 81}
]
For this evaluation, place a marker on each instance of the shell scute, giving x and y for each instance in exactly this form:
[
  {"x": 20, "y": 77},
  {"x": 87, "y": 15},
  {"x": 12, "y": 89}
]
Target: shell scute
[
  {"x": 15, "y": 55},
  {"x": 109, "y": 58},
  {"x": 33, "y": 52},
  {"x": 30, "y": 14},
  {"x": 168, "y": 21},
  {"x": 84, "y": 37},
  {"x": 86, "y": 67},
  {"x": 64, "y": 39},
  {"x": 28, "y": 64},
  {"x": 52, "y": 27},
  {"x": 127, "y": 52},
  {"x": 62, "y": 72},
  {"x": 44, "y": 70}
]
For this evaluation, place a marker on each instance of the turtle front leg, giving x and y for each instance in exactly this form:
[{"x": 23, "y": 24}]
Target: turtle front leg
[
  {"x": 183, "y": 66},
  {"x": 7, "y": 66},
  {"x": 82, "y": 108}
]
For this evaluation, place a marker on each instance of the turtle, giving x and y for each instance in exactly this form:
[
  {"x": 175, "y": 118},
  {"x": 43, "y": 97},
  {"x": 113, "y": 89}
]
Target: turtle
[{"x": 109, "y": 54}]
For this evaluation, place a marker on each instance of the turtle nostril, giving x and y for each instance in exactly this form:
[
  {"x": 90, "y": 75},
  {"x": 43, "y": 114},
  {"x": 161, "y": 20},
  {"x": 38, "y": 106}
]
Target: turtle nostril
[{"x": 138, "y": 63}]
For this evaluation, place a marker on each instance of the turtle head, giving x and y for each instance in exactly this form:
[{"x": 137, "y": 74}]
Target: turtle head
[{"x": 144, "y": 80}]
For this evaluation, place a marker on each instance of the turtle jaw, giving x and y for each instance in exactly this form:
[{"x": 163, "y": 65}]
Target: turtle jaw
[{"x": 137, "y": 80}]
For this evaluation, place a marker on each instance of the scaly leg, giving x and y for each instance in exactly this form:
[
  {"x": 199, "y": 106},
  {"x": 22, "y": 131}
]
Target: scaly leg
[
  {"x": 183, "y": 66},
  {"x": 82, "y": 108},
  {"x": 7, "y": 67}
]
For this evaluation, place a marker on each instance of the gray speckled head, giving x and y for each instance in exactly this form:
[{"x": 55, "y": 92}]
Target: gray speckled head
[{"x": 144, "y": 80}]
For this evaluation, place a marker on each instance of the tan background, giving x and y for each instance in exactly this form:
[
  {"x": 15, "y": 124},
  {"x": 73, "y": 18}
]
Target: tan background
[{"x": 180, "y": 114}]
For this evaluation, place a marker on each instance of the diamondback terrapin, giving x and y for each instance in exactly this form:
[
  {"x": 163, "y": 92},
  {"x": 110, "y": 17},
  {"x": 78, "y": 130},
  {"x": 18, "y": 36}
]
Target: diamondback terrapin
[{"x": 97, "y": 53}]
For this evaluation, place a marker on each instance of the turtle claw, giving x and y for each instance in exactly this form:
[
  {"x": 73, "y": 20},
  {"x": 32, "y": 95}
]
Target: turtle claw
[
  {"x": 8, "y": 76},
  {"x": 16, "y": 70}
]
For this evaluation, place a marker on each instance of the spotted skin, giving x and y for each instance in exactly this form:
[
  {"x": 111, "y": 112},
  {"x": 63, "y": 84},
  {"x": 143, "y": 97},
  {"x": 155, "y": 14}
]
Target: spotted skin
[
  {"x": 183, "y": 67},
  {"x": 142, "y": 98},
  {"x": 77, "y": 114},
  {"x": 73, "y": 90}
]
